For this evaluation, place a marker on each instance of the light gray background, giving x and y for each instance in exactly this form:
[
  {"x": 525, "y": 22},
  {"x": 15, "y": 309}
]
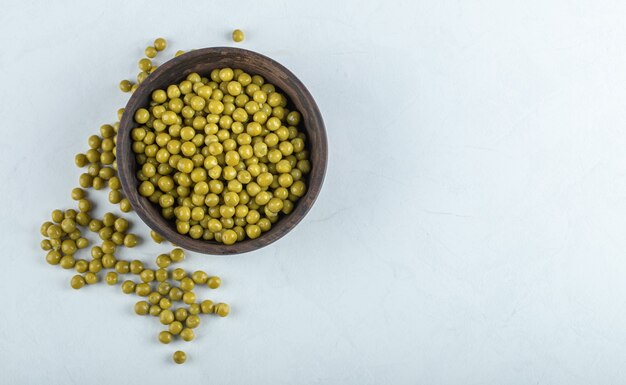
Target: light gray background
[{"x": 470, "y": 230}]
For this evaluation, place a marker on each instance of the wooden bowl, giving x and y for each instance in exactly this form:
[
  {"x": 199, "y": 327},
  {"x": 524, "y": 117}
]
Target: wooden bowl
[{"x": 203, "y": 61}]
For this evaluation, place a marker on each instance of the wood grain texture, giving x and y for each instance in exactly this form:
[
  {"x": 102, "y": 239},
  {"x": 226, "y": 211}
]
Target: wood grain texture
[{"x": 203, "y": 61}]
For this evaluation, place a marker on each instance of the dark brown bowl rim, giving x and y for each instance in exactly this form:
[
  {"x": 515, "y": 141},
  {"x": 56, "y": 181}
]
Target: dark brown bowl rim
[{"x": 298, "y": 95}]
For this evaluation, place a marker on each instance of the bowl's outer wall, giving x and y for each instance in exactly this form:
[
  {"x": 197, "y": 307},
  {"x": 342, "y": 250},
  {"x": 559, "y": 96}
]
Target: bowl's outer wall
[{"x": 203, "y": 61}]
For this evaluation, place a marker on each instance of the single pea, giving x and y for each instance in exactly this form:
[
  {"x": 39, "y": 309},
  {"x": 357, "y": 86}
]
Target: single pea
[
  {"x": 154, "y": 297},
  {"x": 96, "y": 252},
  {"x": 194, "y": 309},
  {"x": 187, "y": 334},
  {"x": 161, "y": 275},
  {"x": 163, "y": 288},
  {"x": 222, "y": 309},
  {"x": 68, "y": 247},
  {"x": 165, "y": 337},
  {"x": 150, "y": 52},
  {"x": 84, "y": 205},
  {"x": 156, "y": 237},
  {"x": 78, "y": 193},
  {"x": 108, "y": 261},
  {"x": 53, "y": 257},
  {"x": 199, "y": 277},
  {"x": 238, "y": 36},
  {"x": 125, "y": 205},
  {"x": 68, "y": 225},
  {"x": 175, "y": 327},
  {"x": 57, "y": 216},
  {"x": 214, "y": 282},
  {"x": 114, "y": 183},
  {"x": 95, "y": 266},
  {"x": 98, "y": 183},
  {"x": 81, "y": 266},
  {"x": 91, "y": 278},
  {"x": 125, "y": 85},
  {"x": 147, "y": 275},
  {"x": 142, "y": 289},
  {"x": 189, "y": 297},
  {"x": 80, "y": 160},
  {"x": 46, "y": 245},
  {"x": 128, "y": 287},
  {"x": 108, "y": 247},
  {"x": 163, "y": 261},
  {"x": 154, "y": 311},
  {"x": 206, "y": 306},
  {"x": 197, "y": 103},
  {"x": 177, "y": 255},
  {"x": 175, "y": 294},
  {"x": 121, "y": 225},
  {"x": 160, "y": 44},
  {"x": 187, "y": 283},
  {"x": 122, "y": 267},
  {"x": 165, "y": 303},
  {"x": 144, "y": 64},
  {"x": 77, "y": 282},
  {"x": 179, "y": 357},
  {"x": 142, "y": 307},
  {"x": 181, "y": 314},
  {"x": 146, "y": 189},
  {"x": 192, "y": 322},
  {"x": 83, "y": 219},
  {"x": 142, "y": 116},
  {"x": 111, "y": 278},
  {"x": 67, "y": 262},
  {"x": 166, "y": 317}
]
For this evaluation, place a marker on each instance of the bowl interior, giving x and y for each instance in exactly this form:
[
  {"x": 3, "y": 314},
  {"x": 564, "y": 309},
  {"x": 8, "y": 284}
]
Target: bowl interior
[{"x": 203, "y": 61}]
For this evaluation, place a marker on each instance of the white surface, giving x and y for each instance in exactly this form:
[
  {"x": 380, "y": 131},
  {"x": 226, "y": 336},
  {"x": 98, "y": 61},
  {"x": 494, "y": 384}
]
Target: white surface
[{"x": 470, "y": 230}]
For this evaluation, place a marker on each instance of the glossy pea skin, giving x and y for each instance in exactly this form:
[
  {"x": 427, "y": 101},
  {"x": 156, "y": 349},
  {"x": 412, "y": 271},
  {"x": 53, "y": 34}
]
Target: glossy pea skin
[
  {"x": 179, "y": 357},
  {"x": 187, "y": 334},
  {"x": 128, "y": 287},
  {"x": 91, "y": 278},
  {"x": 142, "y": 307},
  {"x": 238, "y": 36},
  {"x": 154, "y": 311},
  {"x": 77, "y": 282},
  {"x": 165, "y": 337},
  {"x": 222, "y": 309},
  {"x": 206, "y": 306},
  {"x": 160, "y": 44},
  {"x": 175, "y": 327},
  {"x": 111, "y": 278},
  {"x": 214, "y": 282}
]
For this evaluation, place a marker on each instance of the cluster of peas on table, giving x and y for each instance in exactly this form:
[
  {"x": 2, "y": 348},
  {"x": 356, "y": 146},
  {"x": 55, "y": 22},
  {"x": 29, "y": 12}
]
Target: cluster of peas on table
[
  {"x": 161, "y": 287},
  {"x": 221, "y": 155}
]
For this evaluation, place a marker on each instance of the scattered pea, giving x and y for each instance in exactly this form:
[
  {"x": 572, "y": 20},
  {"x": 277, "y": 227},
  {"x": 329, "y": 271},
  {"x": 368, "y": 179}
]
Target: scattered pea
[
  {"x": 179, "y": 357},
  {"x": 238, "y": 36}
]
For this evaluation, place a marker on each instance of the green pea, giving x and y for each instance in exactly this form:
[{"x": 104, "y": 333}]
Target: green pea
[
  {"x": 77, "y": 282},
  {"x": 187, "y": 334},
  {"x": 91, "y": 278},
  {"x": 175, "y": 327},
  {"x": 160, "y": 44},
  {"x": 128, "y": 287},
  {"x": 165, "y": 337},
  {"x": 142, "y": 307},
  {"x": 222, "y": 309},
  {"x": 151, "y": 51},
  {"x": 111, "y": 278},
  {"x": 179, "y": 357},
  {"x": 214, "y": 282},
  {"x": 125, "y": 85}
]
